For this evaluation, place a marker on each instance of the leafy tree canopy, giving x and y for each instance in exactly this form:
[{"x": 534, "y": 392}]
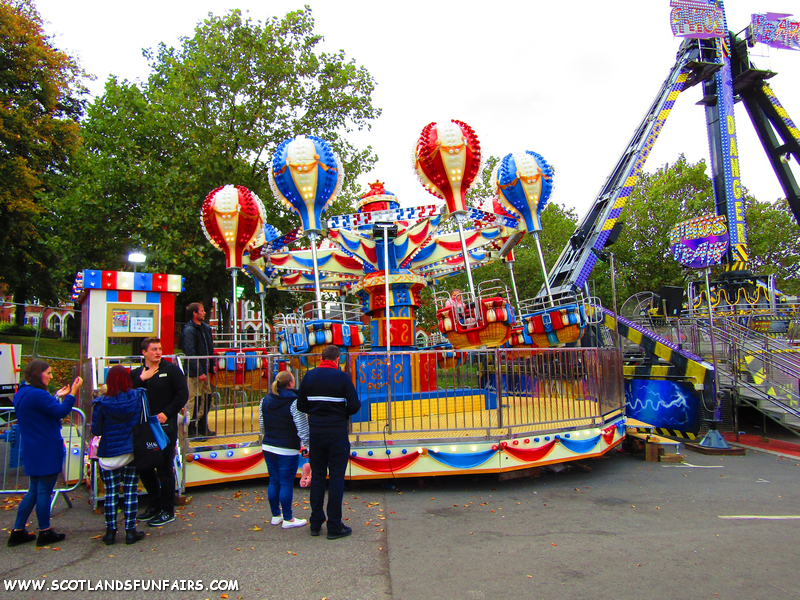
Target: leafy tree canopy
[
  {"x": 678, "y": 192},
  {"x": 40, "y": 92},
  {"x": 211, "y": 113}
]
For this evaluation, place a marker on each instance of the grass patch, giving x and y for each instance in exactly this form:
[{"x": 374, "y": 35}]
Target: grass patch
[
  {"x": 47, "y": 347},
  {"x": 64, "y": 371}
]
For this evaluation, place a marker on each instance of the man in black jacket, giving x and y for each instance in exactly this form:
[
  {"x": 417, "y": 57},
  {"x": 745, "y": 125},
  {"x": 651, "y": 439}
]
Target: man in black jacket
[
  {"x": 330, "y": 398},
  {"x": 196, "y": 340},
  {"x": 166, "y": 394}
]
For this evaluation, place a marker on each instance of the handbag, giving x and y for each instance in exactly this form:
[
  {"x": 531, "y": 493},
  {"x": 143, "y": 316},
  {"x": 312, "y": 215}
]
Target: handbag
[{"x": 147, "y": 445}]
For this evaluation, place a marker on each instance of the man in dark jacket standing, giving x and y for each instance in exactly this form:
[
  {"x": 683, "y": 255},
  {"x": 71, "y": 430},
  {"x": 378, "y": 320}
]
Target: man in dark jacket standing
[
  {"x": 166, "y": 394},
  {"x": 196, "y": 340},
  {"x": 329, "y": 397}
]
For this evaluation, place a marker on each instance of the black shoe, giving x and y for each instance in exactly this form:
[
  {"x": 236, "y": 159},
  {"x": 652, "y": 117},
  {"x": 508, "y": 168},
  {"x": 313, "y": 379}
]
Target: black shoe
[
  {"x": 344, "y": 532},
  {"x": 49, "y": 536},
  {"x": 314, "y": 532},
  {"x": 150, "y": 513},
  {"x": 203, "y": 428},
  {"x": 19, "y": 536},
  {"x": 163, "y": 518},
  {"x": 110, "y": 536},
  {"x": 132, "y": 536}
]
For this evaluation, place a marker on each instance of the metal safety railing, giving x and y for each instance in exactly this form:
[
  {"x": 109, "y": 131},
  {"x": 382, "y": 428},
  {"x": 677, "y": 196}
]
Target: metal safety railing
[
  {"x": 16, "y": 481},
  {"x": 436, "y": 394},
  {"x": 484, "y": 393}
]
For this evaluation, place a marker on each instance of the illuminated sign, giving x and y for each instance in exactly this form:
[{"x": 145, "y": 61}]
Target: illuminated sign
[
  {"x": 698, "y": 19},
  {"x": 773, "y": 29},
  {"x": 700, "y": 242}
]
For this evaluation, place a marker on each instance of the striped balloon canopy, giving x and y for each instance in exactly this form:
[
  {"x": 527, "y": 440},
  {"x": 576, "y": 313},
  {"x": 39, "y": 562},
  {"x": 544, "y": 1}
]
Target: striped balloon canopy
[
  {"x": 306, "y": 175},
  {"x": 231, "y": 218},
  {"x": 447, "y": 159},
  {"x": 524, "y": 183}
]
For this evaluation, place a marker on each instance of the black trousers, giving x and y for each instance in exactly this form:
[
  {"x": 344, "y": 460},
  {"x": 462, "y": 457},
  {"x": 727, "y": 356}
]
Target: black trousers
[{"x": 160, "y": 482}]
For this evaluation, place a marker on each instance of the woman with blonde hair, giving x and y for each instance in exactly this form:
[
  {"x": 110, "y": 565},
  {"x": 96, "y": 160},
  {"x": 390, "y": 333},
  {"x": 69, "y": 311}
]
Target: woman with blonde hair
[{"x": 285, "y": 435}]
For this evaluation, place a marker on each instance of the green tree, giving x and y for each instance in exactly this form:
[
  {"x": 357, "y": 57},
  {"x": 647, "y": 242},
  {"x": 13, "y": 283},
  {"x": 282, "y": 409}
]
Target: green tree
[
  {"x": 678, "y": 192},
  {"x": 40, "y": 89},
  {"x": 660, "y": 200},
  {"x": 773, "y": 239},
  {"x": 211, "y": 113}
]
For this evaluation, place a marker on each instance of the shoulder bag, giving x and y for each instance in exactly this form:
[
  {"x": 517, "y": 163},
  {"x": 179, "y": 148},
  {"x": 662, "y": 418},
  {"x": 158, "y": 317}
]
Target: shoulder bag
[{"x": 149, "y": 440}]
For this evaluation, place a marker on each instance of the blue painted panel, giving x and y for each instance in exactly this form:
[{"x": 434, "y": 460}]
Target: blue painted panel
[{"x": 665, "y": 404}]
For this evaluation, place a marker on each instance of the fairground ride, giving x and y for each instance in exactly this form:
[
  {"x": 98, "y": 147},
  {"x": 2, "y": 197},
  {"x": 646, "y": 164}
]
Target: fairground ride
[{"x": 519, "y": 383}]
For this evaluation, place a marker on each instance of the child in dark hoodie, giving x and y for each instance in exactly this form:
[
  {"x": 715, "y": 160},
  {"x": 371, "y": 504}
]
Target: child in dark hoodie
[
  {"x": 285, "y": 432},
  {"x": 113, "y": 418}
]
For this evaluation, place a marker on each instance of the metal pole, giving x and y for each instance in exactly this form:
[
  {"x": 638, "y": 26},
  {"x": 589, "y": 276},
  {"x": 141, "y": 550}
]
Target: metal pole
[
  {"x": 312, "y": 235},
  {"x": 261, "y": 295},
  {"x": 460, "y": 217},
  {"x": 342, "y": 294},
  {"x": 233, "y": 303},
  {"x": 617, "y": 341},
  {"x": 711, "y": 329},
  {"x": 386, "y": 291},
  {"x": 514, "y": 288},
  {"x": 535, "y": 235}
]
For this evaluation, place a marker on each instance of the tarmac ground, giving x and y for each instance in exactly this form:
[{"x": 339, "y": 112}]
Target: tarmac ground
[{"x": 712, "y": 527}]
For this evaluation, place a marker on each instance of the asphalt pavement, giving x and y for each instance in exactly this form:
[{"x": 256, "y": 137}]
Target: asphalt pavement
[{"x": 713, "y": 527}]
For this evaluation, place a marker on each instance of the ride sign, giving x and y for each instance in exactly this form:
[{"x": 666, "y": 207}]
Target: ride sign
[
  {"x": 774, "y": 29},
  {"x": 699, "y": 19},
  {"x": 701, "y": 242}
]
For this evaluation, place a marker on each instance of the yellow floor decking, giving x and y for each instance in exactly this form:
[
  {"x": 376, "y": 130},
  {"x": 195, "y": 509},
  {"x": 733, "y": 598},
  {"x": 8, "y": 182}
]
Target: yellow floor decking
[{"x": 460, "y": 417}]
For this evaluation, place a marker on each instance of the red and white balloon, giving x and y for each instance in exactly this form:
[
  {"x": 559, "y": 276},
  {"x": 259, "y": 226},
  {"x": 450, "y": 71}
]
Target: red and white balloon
[
  {"x": 447, "y": 159},
  {"x": 232, "y": 218}
]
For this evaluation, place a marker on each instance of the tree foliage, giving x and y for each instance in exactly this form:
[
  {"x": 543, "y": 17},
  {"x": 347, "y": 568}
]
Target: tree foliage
[
  {"x": 211, "y": 113},
  {"x": 40, "y": 102},
  {"x": 677, "y": 192}
]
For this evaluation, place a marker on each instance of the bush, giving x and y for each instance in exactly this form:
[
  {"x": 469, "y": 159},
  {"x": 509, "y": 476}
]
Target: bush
[
  {"x": 27, "y": 331},
  {"x": 14, "y": 329}
]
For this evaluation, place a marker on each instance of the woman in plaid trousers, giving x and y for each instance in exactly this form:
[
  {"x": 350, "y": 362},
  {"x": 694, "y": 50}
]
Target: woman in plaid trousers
[{"x": 113, "y": 418}]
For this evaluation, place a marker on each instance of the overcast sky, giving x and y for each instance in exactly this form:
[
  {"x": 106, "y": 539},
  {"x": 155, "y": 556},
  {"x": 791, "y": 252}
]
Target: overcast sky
[{"x": 569, "y": 80}]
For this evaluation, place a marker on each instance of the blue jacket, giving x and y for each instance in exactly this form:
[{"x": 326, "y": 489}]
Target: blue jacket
[
  {"x": 39, "y": 418},
  {"x": 113, "y": 418},
  {"x": 329, "y": 397}
]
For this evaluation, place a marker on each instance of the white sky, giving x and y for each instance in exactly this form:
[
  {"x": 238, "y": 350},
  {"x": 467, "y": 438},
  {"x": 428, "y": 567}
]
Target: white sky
[{"x": 569, "y": 80}]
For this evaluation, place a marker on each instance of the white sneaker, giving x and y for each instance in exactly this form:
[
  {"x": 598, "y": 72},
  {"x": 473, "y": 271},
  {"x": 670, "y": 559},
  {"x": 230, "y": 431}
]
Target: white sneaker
[
  {"x": 294, "y": 523},
  {"x": 276, "y": 520}
]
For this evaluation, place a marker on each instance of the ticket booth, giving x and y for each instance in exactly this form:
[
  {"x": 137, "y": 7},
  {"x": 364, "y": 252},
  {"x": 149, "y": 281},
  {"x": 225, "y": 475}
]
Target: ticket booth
[{"x": 120, "y": 309}]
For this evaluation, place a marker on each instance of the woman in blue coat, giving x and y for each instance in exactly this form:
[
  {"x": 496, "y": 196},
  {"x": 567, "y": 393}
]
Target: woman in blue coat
[
  {"x": 39, "y": 418},
  {"x": 113, "y": 418}
]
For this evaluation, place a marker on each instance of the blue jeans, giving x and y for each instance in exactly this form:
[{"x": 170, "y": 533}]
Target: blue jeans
[
  {"x": 282, "y": 472},
  {"x": 329, "y": 454},
  {"x": 39, "y": 494}
]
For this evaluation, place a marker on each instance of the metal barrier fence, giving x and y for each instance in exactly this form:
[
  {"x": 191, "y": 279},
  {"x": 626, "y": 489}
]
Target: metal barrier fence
[
  {"x": 432, "y": 394},
  {"x": 15, "y": 481}
]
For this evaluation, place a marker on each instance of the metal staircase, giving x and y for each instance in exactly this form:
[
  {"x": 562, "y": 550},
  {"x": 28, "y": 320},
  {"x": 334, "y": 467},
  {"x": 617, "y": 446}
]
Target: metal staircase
[{"x": 754, "y": 369}]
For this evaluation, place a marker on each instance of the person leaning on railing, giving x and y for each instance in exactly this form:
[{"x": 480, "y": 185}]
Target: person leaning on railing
[{"x": 39, "y": 418}]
